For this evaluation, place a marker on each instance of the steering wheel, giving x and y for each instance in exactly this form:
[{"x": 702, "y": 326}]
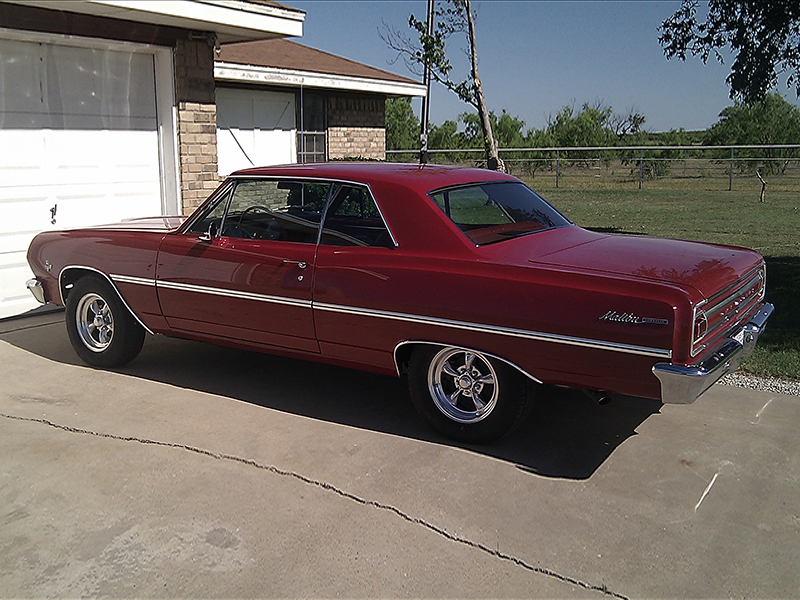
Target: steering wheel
[{"x": 250, "y": 230}]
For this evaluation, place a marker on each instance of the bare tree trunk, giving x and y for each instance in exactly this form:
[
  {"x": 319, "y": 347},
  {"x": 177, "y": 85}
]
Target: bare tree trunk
[
  {"x": 490, "y": 144},
  {"x": 763, "y": 186}
]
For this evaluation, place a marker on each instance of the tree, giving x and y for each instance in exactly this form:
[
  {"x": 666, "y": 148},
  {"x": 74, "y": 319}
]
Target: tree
[
  {"x": 402, "y": 125},
  {"x": 506, "y": 129},
  {"x": 446, "y": 136},
  {"x": 763, "y": 34},
  {"x": 627, "y": 126},
  {"x": 589, "y": 127},
  {"x": 771, "y": 121},
  {"x": 451, "y": 17}
]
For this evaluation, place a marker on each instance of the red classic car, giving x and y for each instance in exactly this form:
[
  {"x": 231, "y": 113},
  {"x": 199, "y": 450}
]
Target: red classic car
[{"x": 464, "y": 280}]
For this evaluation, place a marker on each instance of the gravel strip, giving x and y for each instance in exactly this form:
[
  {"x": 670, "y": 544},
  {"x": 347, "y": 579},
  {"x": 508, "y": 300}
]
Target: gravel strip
[{"x": 762, "y": 384}]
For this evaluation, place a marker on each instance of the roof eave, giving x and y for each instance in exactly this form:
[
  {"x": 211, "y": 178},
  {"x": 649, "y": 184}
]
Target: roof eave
[
  {"x": 234, "y": 72},
  {"x": 231, "y": 20}
]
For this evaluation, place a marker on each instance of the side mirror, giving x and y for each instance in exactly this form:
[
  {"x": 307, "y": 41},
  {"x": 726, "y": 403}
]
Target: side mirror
[{"x": 211, "y": 233}]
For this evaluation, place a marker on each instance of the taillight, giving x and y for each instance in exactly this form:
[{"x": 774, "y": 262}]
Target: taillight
[{"x": 700, "y": 326}]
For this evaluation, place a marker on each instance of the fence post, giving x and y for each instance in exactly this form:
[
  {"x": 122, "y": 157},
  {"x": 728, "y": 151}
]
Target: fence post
[
  {"x": 641, "y": 166},
  {"x": 558, "y": 166},
  {"x": 730, "y": 175}
]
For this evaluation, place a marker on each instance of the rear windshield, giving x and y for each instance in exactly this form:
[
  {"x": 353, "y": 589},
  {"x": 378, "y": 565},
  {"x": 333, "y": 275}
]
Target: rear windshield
[{"x": 492, "y": 212}]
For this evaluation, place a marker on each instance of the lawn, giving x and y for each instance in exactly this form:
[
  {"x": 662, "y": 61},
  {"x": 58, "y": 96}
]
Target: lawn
[{"x": 726, "y": 217}]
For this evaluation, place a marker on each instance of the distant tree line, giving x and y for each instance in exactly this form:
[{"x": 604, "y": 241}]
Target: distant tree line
[{"x": 772, "y": 120}]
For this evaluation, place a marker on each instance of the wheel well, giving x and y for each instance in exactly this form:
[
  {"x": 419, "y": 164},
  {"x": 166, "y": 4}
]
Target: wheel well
[
  {"x": 404, "y": 350},
  {"x": 402, "y": 356},
  {"x": 70, "y": 275}
]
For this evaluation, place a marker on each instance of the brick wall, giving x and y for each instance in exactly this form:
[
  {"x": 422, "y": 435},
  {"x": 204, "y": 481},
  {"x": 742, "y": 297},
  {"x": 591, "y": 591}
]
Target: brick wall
[
  {"x": 356, "y": 127},
  {"x": 197, "y": 121}
]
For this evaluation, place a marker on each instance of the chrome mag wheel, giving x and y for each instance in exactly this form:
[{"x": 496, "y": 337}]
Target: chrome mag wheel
[
  {"x": 463, "y": 384},
  {"x": 95, "y": 322},
  {"x": 101, "y": 329}
]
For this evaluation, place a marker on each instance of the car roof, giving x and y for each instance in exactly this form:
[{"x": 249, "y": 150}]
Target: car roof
[{"x": 421, "y": 178}]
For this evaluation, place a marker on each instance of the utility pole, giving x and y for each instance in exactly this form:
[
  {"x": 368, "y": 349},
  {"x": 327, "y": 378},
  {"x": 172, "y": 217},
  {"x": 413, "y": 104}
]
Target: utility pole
[{"x": 426, "y": 101}]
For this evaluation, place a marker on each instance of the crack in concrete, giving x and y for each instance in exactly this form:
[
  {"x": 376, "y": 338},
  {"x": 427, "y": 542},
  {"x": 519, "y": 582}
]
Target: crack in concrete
[{"x": 338, "y": 491}]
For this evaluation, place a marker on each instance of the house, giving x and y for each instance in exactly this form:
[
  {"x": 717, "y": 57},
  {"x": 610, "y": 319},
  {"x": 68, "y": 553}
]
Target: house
[
  {"x": 111, "y": 109},
  {"x": 279, "y": 101}
]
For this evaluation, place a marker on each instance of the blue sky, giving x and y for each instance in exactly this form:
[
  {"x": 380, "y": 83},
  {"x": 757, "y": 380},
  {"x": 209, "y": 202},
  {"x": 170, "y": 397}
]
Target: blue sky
[{"x": 536, "y": 57}]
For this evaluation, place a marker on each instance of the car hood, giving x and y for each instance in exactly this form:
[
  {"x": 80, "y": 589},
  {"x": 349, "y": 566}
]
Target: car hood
[
  {"x": 705, "y": 267},
  {"x": 169, "y": 223}
]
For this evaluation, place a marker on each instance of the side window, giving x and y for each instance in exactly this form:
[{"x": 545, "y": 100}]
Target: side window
[
  {"x": 212, "y": 215},
  {"x": 283, "y": 210},
  {"x": 353, "y": 219},
  {"x": 471, "y": 206}
]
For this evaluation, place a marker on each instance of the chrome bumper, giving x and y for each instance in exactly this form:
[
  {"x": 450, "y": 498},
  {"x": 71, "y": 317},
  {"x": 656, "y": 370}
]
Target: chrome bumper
[
  {"x": 37, "y": 289},
  {"x": 683, "y": 385}
]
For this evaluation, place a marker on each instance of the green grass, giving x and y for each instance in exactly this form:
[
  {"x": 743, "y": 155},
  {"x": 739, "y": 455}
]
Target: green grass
[{"x": 720, "y": 216}]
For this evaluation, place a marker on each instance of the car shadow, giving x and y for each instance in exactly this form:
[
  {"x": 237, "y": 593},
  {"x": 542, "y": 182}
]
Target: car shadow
[{"x": 568, "y": 435}]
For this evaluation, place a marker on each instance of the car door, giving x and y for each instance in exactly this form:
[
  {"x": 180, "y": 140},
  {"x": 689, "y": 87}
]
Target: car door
[
  {"x": 359, "y": 272},
  {"x": 244, "y": 269}
]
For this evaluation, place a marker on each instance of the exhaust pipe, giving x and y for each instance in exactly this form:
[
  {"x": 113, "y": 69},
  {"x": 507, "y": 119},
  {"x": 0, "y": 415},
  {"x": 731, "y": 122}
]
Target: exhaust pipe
[{"x": 601, "y": 398}]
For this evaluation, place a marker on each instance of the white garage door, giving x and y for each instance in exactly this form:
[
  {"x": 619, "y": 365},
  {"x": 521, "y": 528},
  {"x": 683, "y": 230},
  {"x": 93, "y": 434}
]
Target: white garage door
[
  {"x": 254, "y": 129},
  {"x": 78, "y": 146}
]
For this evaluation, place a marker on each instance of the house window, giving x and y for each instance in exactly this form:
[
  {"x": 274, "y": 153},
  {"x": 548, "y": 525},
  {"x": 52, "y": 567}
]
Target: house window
[{"x": 312, "y": 140}]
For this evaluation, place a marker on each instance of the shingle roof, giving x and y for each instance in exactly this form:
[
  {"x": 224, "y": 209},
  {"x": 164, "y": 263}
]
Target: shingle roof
[
  {"x": 289, "y": 55},
  {"x": 274, "y": 4}
]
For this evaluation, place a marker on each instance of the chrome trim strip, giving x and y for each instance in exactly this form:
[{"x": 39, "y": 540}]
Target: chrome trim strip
[
  {"x": 110, "y": 281},
  {"x": 748, "y": 284},
  {"x": 409, "y": 318},
  {"x": 760, "y": 270},
  {"x": 380, "y": 212},
  {"x": 186, "y": 287},
  {"x": 495, "y": 329},
  {"x": 440, "y": 344},
  {"x": 134, "y": 280}
]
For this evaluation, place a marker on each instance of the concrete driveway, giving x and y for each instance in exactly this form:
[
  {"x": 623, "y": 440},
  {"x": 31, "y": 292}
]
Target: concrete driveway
[{"x": 206, "y": 471}]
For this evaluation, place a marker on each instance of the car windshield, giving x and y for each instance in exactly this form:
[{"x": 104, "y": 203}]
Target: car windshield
[{"x": 492, "y": 212}]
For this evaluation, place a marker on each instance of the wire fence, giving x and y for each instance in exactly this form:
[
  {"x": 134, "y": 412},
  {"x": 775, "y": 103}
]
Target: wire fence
[{"x": 620, "y": 167}]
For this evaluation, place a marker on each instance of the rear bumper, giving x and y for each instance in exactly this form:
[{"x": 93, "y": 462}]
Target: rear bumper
[{"x": 684, "y": 384}]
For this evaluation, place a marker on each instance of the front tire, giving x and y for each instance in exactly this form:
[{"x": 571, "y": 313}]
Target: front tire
[
  {"x": 101, "y": 329},
  {"x": 466, "y": 395}
]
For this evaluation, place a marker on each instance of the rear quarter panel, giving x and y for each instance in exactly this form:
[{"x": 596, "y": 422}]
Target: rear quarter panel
[{"x": 461, "y": 301}]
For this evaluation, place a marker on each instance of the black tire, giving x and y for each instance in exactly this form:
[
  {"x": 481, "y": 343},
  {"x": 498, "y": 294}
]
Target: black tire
[
  {"x": 466, "y": 395},
  {"x": 102, "y": 330}
]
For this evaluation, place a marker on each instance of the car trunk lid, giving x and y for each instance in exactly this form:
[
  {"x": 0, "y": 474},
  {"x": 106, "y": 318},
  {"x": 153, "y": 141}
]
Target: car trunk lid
[{"x": 708, "y": 268}]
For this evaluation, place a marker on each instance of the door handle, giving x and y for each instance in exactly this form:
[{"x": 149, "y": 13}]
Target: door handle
[{"x": 300, "y": 263}]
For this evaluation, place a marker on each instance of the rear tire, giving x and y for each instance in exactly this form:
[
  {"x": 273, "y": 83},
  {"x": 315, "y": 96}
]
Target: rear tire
[
  {"x": 101, "y": 329},
  {"x": 466, "y": 395}
]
